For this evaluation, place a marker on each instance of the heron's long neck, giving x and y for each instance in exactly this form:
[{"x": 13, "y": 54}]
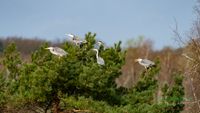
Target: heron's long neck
[
  {"x": 97, "y": 54},
  {"x": 52, "y": 50}
]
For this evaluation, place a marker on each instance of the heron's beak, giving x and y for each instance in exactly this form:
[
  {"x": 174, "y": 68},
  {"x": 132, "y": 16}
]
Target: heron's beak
[
  {"x": 46, "y": 48},
  {"x": 84, "y": 41},
  {"x": 136, "y": 60},
  {"x": 74, "y": 39}
]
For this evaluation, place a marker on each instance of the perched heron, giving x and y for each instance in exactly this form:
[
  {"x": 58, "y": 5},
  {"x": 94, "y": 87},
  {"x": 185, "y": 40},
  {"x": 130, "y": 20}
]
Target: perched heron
[
  {"x": 74, "y": 37},
  {"x": 100, "y": 60},
  {"x": 57, "y": 51},
  {"x": 71, "y": 35},
  {"x": 100, "y": 43},
  {"x": 145, "y": 62},
  {"x": 76, "y": 40}
]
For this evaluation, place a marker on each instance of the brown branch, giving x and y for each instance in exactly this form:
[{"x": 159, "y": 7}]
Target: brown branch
[
  {"x": 191, "y": 83},
  {"x": 186, "y": 56},
  {"x": 78, "y": 110}
]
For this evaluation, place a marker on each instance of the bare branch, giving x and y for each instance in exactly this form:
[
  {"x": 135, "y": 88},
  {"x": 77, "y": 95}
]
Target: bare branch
[
  {"x": 178, "y": 38},
  {"x": 186, "y": 56}
]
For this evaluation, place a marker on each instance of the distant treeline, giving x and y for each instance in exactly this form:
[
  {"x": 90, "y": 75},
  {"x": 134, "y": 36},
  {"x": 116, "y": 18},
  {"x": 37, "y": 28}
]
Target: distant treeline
[{"x": 24, "y": 45}]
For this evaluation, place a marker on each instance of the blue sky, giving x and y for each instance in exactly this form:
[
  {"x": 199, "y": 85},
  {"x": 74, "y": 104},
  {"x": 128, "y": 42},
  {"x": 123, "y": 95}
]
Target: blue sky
[{"x": 112, "y": 20}]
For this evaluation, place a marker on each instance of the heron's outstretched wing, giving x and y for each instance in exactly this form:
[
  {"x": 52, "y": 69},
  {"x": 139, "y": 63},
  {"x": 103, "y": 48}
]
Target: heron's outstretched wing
[{"x": 70, "y": 35}]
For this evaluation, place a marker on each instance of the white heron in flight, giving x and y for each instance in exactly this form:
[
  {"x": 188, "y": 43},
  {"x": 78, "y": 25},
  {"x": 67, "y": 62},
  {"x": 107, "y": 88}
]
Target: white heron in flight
[
  {"x": 100, "y": 60},
  {"x": 76, "y": 40},
  {"x": 145, "y": 62},
  {"x": 57, "y": 51}
]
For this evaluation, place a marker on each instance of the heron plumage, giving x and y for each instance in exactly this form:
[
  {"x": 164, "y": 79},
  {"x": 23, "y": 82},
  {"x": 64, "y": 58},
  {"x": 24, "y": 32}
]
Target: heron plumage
[{"x": 57, "y": 51}]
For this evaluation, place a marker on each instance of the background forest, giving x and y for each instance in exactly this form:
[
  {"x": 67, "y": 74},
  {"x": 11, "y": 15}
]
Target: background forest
[{"x": 32, "y": 80}]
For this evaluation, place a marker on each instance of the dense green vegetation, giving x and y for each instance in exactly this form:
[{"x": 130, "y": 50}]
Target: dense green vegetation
[{"x": 76, "y": 83}]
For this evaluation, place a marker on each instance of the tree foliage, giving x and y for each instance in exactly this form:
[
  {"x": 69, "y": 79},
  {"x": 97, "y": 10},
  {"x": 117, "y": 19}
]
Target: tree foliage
[{"x": 76, "y": 82}]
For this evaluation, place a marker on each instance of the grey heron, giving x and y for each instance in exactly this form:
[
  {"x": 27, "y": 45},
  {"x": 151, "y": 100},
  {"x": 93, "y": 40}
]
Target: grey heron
[
  {"x": 100, "y": 60},
  {"x": 145, "y": 62},
  {"x": 76, "y": 40},
  {"x": 100, "y": 43},
  {"x": 57, "y": 51},
  {"x": 70, "y": 35}
]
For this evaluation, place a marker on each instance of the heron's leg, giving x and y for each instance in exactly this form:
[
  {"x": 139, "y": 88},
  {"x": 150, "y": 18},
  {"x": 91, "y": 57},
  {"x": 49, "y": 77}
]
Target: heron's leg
[
  {"x": 146, "y": 68},
  {"x": 144, "y": 71},
  {"x": 81, "y": 45}
]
